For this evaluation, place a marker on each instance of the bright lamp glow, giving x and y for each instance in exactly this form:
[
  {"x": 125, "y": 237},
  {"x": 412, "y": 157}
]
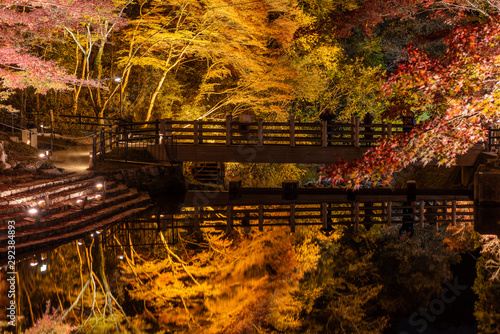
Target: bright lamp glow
[
  {"x": 99, "y": 186},
  {"x": 33, "y": 211},
  {"x": 43, "y": 267},
  {"x": 42, "y": 155}
]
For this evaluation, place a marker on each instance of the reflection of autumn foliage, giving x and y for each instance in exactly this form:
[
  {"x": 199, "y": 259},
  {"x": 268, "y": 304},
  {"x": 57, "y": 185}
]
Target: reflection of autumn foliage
[
  {"x": 51, "y": 322},
  {"x": 228, "y": 286},
  {"x": 461, "y": 238},
  {"x": 487, "y": 286}
]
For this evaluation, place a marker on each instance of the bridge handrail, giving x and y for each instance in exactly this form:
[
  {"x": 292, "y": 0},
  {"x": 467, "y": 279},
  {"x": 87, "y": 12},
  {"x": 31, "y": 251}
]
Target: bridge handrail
[{"x": 259, "y": 133}]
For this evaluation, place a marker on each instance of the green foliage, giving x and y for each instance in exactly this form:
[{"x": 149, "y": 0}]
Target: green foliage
[
  {"x": 338, "y": 295},
  {"x": 412, "y": 270},
  {"x": 264, "y": 175}
]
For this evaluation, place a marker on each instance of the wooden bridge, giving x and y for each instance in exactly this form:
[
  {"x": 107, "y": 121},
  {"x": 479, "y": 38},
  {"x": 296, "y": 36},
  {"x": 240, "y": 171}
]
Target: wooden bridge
[{"x": 231, "y": 141}]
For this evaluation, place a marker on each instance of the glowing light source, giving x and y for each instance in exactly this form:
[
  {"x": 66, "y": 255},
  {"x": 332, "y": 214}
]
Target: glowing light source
[
  {"x": 33, "y": 211},
  {"x": 79, "y": 243},
  {"x": 33, "y": 262},
  {"x": 43, "y": 267},
  {"x": 42, "y": 155},
  {"x": 99, "y": 186},
  {"x": 120, "y": 257},
  {"x": 28, "y": 142}
]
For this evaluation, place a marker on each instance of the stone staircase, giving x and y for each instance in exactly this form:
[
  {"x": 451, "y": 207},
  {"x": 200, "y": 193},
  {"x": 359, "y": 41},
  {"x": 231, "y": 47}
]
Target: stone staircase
[{"x": 77, "y": 206}]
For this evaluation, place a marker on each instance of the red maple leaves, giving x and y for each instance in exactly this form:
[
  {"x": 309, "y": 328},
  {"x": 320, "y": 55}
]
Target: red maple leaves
[
  {"x": 30, "y": 22},
  {"x": 460, "y": 91}
]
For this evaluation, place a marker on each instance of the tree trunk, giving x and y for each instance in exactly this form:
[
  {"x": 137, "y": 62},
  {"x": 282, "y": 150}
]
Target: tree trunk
[{"x": 155, "y": 94}]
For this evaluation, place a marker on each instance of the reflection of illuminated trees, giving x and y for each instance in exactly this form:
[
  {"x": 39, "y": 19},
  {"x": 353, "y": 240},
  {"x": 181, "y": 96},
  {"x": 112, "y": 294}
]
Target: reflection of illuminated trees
[
  {"x": 487, "y": 286},
  {"x": 225, "y": 286},
  {"x": 75, "y": 282}
]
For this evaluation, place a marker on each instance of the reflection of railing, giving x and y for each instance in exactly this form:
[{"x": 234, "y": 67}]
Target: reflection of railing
[
  {"x": 143, "y": 231},
  {"x": 441, "y": 212}
]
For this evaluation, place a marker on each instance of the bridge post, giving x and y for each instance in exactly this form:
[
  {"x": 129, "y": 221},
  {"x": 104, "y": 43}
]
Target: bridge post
[
  {"x": 421, "y": 214},
  {"x": 157, "y": 132},
  {"x": 261, "y": 217},
  {"x": 324, "y": 134},
  {"x": 234, "y": 190},
  {"x": 289, "y": 189},
  {"x": 229, "y": 218},
  {"x": 163, "y": 130},
  {"x": 260, "y": 132},
  {"x": 389, "y": 213},
  {"x": 356, "y": 216},
  {"x": 197, "y": 217},
  {"x": 454, "y": 213},
  {"x": 324, "y": 215},
  {"x": 292, "y": 217},
  {"x": 195, "y": 132},
  {"x": 229, "y": 120},
  {"x": 355, "y": 121},
  {"x": 103, "y": 150},
  {"x": 292, "y": 131},
  {"x": 93, "y": 157}
]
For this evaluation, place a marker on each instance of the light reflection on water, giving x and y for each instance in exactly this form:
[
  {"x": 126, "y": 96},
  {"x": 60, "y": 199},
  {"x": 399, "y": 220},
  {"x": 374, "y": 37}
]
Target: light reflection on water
[{"x": 67, "y": 267}]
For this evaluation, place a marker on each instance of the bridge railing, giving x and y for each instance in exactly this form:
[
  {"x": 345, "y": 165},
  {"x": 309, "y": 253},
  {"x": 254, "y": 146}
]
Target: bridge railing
[
  {"x": 291, "y": 133},
  {"x": 493, "y": 143},
  {"x": 134, "y": 144},
  {"x": 89, "y": 123}
]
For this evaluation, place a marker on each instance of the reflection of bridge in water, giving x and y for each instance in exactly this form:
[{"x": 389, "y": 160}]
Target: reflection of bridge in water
[{"x": 261, "y": 208}]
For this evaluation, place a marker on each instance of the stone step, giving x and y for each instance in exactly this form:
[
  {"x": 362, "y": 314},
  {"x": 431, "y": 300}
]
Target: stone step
[
  {"x": 17, "y": 202},
  {"x": 66, "y": 201},
  {"x": 68, "y": 234},
  {"x": 27, "y": 227},
  {"x": 43, "y": 183}
]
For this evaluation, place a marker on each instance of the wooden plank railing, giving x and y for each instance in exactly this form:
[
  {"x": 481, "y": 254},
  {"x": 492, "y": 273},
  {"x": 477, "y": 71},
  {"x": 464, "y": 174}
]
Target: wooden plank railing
[
  {"x": 228, "y": 132},
  {"x": 291, "y": 133}
]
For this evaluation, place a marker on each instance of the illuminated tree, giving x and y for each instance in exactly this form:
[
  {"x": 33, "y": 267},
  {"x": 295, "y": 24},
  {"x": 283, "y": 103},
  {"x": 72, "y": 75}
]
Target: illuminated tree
[
  {"x": 25, "y": 24},
  {"x": 459, "y": 90}
]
